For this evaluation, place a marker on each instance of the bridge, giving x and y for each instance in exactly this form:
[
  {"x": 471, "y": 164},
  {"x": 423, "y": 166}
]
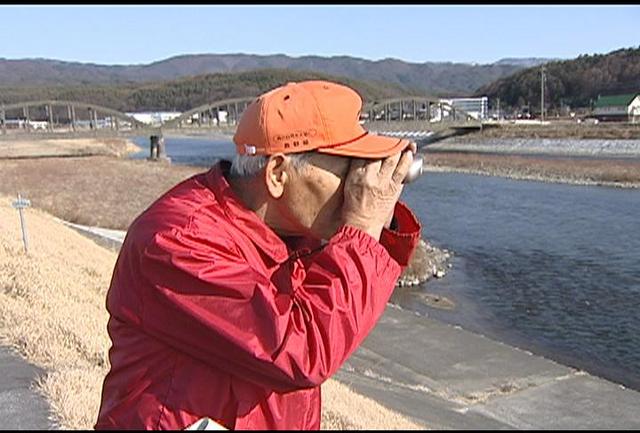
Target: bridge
[{"x": 414, "y": 117}]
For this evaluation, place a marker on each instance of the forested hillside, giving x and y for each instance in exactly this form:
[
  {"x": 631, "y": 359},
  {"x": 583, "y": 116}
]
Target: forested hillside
[
  {"x": 441, "y": 78},
  {"x": 575, "y": 83},
  {"x": 186, "y": 93}
]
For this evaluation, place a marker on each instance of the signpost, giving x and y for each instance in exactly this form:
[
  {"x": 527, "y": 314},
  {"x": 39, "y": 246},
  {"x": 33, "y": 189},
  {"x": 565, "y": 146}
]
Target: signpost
[{"x": 20, "y": 204}]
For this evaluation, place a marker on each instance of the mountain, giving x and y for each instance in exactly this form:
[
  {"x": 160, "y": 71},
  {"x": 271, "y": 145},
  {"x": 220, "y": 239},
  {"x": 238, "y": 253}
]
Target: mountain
[
  {"x": 574, "y": 83},
  {"x": 435, "y": 78},
  {"x": 186, "y": 93}
]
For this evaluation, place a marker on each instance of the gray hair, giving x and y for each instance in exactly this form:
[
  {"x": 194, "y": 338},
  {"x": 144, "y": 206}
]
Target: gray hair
[{"x": 250, "y": 165}]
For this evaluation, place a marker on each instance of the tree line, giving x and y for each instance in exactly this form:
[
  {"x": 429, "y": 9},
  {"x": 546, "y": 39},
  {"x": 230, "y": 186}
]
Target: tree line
[
  {"x": 569, "y": 83},
  {"x": 184, "y": 94}
]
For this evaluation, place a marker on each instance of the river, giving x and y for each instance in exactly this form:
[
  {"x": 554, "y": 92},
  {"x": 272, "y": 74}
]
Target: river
[{"x": 550, "y": 268}]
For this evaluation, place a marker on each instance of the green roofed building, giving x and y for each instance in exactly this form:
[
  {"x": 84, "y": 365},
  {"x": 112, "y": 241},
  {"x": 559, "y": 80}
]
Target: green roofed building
[{"x": 618, "y": 107}]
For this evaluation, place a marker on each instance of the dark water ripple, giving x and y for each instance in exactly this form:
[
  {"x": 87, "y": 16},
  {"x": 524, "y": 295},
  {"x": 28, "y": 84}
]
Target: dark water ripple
[{"x": 551, "y": 268}]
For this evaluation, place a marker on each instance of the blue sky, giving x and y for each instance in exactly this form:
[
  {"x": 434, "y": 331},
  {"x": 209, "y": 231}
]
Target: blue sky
[{"x": 414, "y": 33}]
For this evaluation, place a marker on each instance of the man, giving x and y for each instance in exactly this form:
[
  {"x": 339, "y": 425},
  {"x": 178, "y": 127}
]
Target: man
[{"x": 242, "y": 289}]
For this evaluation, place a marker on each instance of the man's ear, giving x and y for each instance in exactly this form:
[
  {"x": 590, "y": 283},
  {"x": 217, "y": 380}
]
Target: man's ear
[{"x": 276, "y": 174}]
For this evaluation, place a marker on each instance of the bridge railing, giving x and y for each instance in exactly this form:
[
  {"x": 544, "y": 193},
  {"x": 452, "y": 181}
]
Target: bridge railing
[
  {"x": 414, "y": 109},
  {"x": 220, "y": 114},
  {"x": 52, "y": 117},
  {"x": 64, "y": 117}
]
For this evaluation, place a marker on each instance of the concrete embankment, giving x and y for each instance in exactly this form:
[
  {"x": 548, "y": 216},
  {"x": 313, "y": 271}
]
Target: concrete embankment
[
  {"x": 582, "y": 162},
  {"x": 449, "y": 378},
  {"x": 602, "y": 148}
]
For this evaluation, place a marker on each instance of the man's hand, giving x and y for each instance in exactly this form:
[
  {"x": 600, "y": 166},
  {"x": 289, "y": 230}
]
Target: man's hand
[{"x": 372, "y": 188}]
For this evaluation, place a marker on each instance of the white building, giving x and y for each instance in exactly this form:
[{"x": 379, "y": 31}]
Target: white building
[
  {"x": 478, "y": 108},
  {"x": 222, "y": 118},
  {"x": 154, "y": 118},
  {"x": 23, "y": 124}
]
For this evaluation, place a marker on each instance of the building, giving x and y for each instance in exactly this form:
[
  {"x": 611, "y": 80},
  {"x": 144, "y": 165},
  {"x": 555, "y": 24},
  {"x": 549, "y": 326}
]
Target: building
[
  {"x": 218, "y": 117},
  {"x": 618, "y": 108},
  {"x": 478, "y": 108},
  {"x": 155, "y": 118},
  {"x": 25, "y": 124}
]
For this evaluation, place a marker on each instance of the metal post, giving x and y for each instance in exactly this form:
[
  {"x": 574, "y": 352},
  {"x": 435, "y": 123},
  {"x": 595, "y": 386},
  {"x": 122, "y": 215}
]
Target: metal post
[
  {"x": 27, "y": 121},
  {"x": 401, "y": 111},
  {"x": 91, "y": 125},
  {"x": 235, "y": 113},
  {"x": 50, "y": 117},
  {"x": 162, "y": 153},
  {"x": 542, "y": 94},
  {"x": 69, "y": 114},
  {"x": 73, "y": 118},
  {"x": 95, "y": 119},
  {"x": 20, "y": 204},
  {"x": 3, "y": 120},
  {"x": 414, "y": 109}
]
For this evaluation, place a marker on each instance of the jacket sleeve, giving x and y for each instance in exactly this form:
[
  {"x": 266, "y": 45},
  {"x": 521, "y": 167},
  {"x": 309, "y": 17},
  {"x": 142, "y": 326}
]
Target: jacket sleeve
[
  {"x": 288, "y": 331},
  {"x": 401, "y": 242}
]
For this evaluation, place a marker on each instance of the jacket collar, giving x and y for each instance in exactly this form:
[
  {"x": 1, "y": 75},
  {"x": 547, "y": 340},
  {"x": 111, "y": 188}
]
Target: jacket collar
[{"x": 245, "y": 219}]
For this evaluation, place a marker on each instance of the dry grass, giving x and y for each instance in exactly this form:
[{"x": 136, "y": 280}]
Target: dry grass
[
  {"x": 344, "y": 409},
  {"x": 26, "y": 148},
  {"x": 562, "y": 169},
  {"x": 52, "y": 310},
  {"x": 98, "y": 191}
]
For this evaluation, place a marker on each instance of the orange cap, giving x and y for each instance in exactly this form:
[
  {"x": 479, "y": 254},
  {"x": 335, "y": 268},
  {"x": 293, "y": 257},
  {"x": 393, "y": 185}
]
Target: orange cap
[{"x": 310, "y": 115}]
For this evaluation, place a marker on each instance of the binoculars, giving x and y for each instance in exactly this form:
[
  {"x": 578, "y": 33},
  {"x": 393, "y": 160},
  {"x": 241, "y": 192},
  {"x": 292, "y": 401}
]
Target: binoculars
[{"x": 415, "y": 171}]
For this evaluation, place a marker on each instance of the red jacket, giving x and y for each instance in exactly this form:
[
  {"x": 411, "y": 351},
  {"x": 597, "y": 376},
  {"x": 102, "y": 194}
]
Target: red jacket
[{"x": 213, "y": 314}]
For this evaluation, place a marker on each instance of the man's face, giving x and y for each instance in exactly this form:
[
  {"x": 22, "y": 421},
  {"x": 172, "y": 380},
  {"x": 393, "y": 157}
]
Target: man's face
[{"x": 312, "y": 201}]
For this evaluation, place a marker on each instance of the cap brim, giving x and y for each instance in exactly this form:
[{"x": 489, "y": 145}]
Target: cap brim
[{"x": 370, "y": 146}]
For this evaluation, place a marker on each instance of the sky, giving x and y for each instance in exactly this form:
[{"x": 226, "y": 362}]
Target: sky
[{"x": 141, "y": 34}]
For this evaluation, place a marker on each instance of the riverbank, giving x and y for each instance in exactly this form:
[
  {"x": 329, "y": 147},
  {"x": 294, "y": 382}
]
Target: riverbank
[
  {"x": 410, "y": 373},
  {"x": 606, "y": 154},
  {"x": 612, "y": 172},
  {"x": 445, "y": 359},
  {"x": 556, "y": 129}
]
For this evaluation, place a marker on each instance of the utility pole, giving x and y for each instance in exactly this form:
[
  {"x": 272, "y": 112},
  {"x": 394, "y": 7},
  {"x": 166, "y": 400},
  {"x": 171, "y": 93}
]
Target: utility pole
[
  {"x": 498, "y": 114},
  {"x": 542, "y": 80}
]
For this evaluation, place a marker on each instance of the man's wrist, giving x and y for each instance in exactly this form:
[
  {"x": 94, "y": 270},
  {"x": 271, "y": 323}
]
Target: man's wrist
[{"x": 371, "y": 230}]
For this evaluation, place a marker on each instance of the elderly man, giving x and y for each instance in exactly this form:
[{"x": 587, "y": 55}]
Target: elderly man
[{"x": 242, "y": 289}]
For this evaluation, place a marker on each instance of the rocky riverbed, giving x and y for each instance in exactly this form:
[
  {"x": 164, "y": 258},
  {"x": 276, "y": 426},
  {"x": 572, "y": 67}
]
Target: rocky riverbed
[
  {"x": 427, "y": 262},
  {"x": 542, "y": 146}
]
